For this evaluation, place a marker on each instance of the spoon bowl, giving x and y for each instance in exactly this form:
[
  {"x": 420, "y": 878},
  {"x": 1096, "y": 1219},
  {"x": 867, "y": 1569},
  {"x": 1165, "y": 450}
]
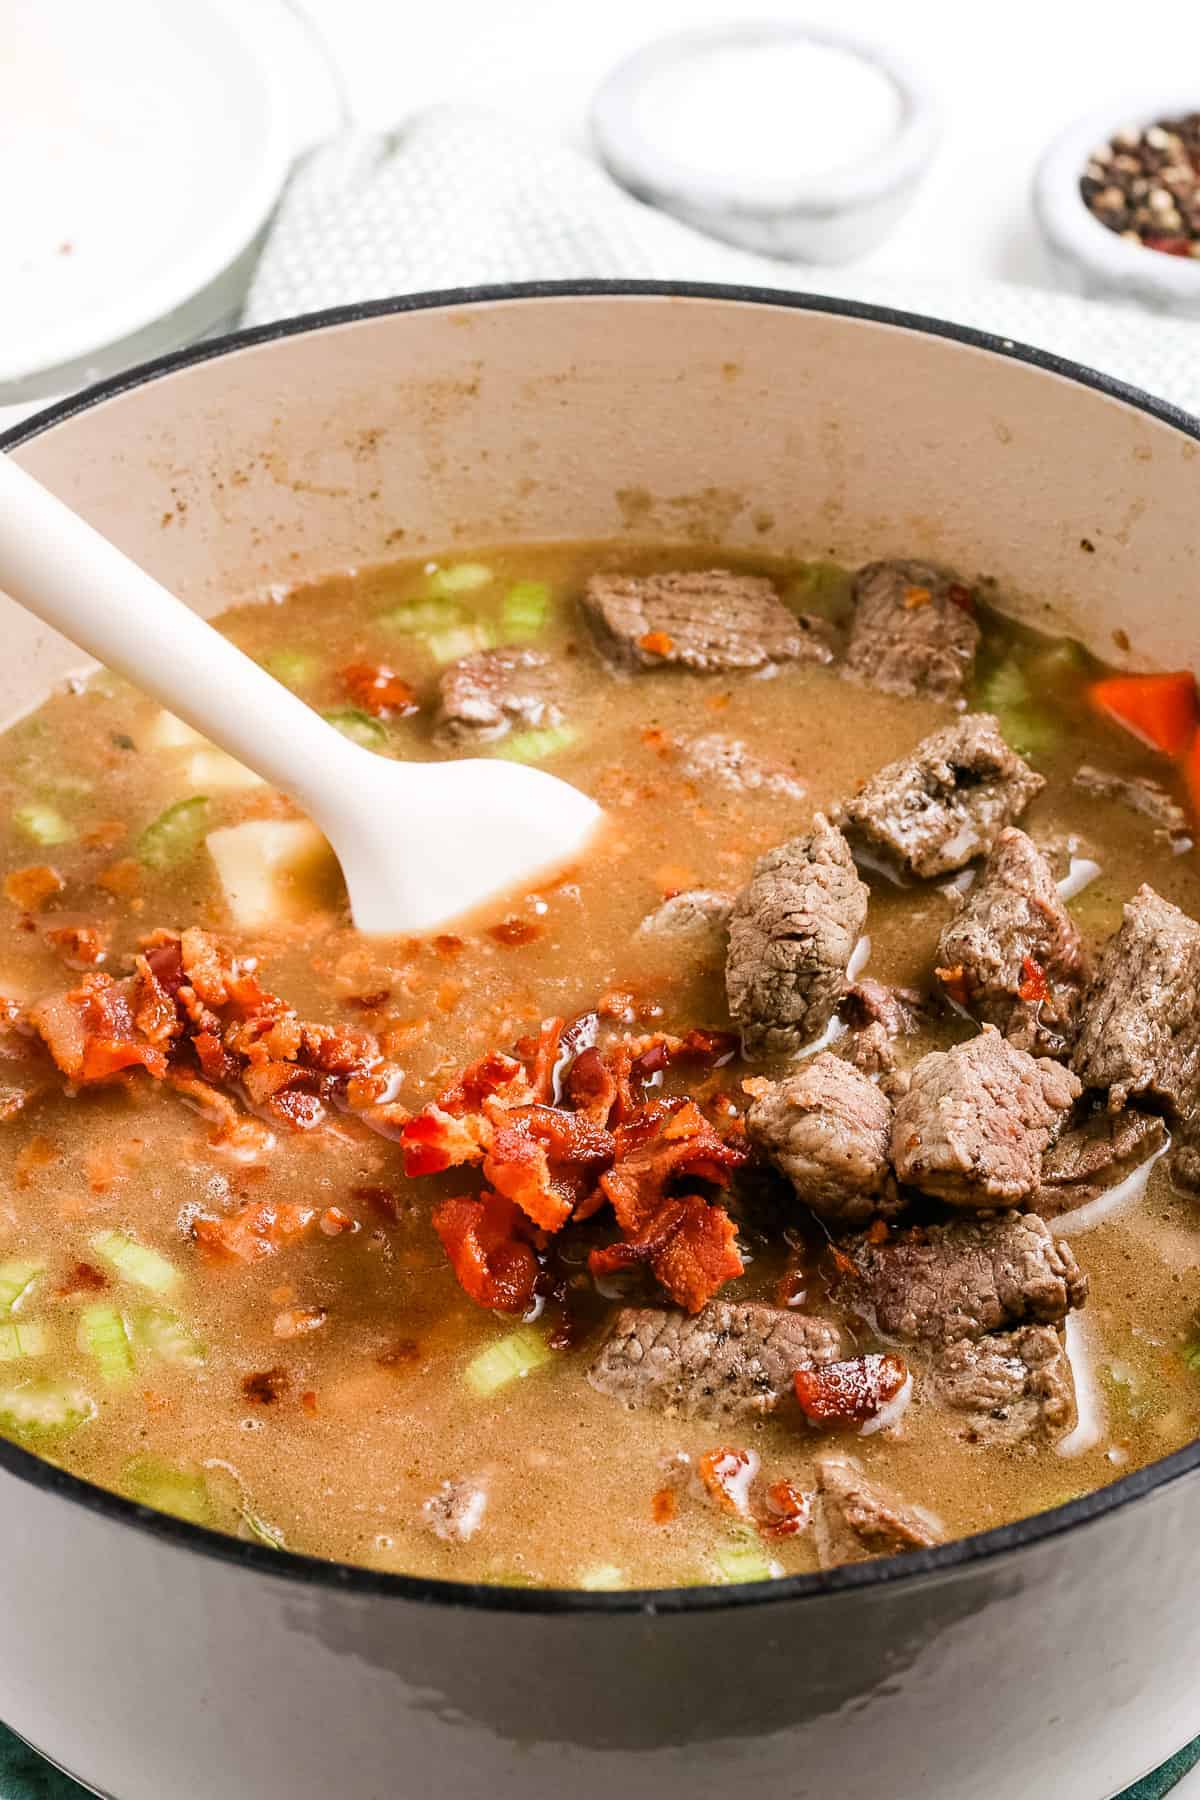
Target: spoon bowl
[{"x": 420, "y": 844}]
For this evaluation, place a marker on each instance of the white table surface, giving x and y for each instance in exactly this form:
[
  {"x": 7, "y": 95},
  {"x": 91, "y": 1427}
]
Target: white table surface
[{"x": 1010, "y": 74}]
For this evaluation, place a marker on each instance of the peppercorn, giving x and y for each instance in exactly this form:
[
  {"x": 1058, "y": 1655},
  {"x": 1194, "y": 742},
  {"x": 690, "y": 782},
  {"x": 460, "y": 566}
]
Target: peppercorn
[{"x": 1145, "y": 185}]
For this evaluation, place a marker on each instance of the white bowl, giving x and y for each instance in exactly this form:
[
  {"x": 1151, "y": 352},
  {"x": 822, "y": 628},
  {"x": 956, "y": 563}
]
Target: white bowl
[
  {"x": 825, "y": 218},
  {"x": 1096, "y": 261}
]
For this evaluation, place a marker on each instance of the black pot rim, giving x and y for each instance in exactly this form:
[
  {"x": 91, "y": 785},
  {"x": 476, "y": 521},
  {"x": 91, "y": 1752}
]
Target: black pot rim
[{"x": 916, "y": 1566}]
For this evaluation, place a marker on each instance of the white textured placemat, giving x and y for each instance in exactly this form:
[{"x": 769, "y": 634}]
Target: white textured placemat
[{"x": 457, "y": 197}]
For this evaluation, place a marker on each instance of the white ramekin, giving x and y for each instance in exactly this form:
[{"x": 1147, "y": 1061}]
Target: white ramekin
[
  {"x": 829, "y": 218},
  {"x": 1096, "y": 261}
]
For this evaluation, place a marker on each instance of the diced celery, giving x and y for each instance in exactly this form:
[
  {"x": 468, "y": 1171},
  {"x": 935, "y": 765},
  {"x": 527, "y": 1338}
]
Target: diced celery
[
  {"x": 165, "y": 1336},
  {"x": 358, "y": 726},
  {"x": 168, "y": 1488},
  {"x": 537, "y": 746},
  {"x": 460, "y": 578},
  {"x": 511, "y": 1359},
  {"x": 42, "y": 1408},
  {"x": 459, "y": 641},
  {"x": 821, "y": 587},
  {"x": 295, "y": 668},
  {"x": 137, "y": 1262},
  {"x": 16, "y": 1279},
  {"x": 603, "y": 1577},
  {"x": 1005, "y": 691},
  {"x": 103, "y": 1335},
  {"x": 44, "y": 824},
  {"x": 262, "y": 1529},
  {"x": 22, "y": 1337},
  {"x": 1191, "y": 1356},
  {"x": 525, "y": 611},
  {"x": 176, "y": 834},
  {"x": 741, "y": 1557},
  {"x": 417, "y": 618}
]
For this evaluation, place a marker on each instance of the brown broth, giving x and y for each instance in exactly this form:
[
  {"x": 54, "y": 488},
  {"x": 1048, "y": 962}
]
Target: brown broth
[{"x": 373, "y": 1413}]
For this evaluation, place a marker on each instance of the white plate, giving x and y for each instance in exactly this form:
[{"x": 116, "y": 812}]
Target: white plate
[{"x": 143, "y": 144}]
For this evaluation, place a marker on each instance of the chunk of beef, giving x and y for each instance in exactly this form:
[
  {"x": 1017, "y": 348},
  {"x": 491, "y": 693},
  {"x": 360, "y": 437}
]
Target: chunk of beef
[
  {"x": 707, "y": 621},
  {"x": 726, "y": 1362},
  {"x": 483, "y": 695},
  {"x": 913, "y": 632},
  {"x": 937, "y": 1283},
  {"x": 728, "y": 763},
  {"x": 696, "y": 922},
  {"x": 1013, "y": 955},
  {"x": 1095, "y": 1155},
  {"x": 946, "y": 803},
  {"x": 827, "y": 1128},
  {"x": 856, "y": 1518},
  {"x": 1012, "y": 1385},
  {"x": 1139, "y": 793},
  {"x": 1140, "y": 1031},
  {"x": 977, "y": 1120},
  {"x": 791, "y": 934}
]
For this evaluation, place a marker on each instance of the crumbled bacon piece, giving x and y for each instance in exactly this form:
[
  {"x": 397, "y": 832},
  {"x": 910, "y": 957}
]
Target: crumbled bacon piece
[
  {"x": 663, "y": 1506},
  {"x": 666, "y": 1141},
  {"x": 1033, "y": 980},
  {"x": 493, "y": 1264},
  {"x": 378, "y": 690},
  {"x": 787, "y": 1509},
  {"x": 538, "y": 1155},
  {"x": 266, "y": 1388},
  {"x": 850, "y": 1392},
  {"x": 257, "y": 1230},
  {"x": 32, "y": 887},
  {"x": 84, "y": 1278},
  {"x": 80, "y": 946},
  {"x": 515, "y": 930},
  {"x": 726, "y": 1476},
  {"x": 690, "y": 1246},
  {"x": 91, "y": 1032}
]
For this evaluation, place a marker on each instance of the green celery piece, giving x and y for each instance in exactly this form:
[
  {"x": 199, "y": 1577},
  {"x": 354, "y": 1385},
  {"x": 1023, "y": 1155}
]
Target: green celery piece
[
  {"x": 459, "y": 641},
  {"x": 741, "y": 1557},
  {"x": 43, "y": 824},
  {"x": 263, "y": 1530},
  {"x": 418, "y": 618},
  {"x": 168, "y": 1488},
  {"x": 511, "y": 1359},
  {"x": 821, "y": 587},
  {"x": 602, "y": 1579},
  {"x": 358, "y": 726},
  {"x": 166, "y": 1336},
  {"x": 103, "y": 1336},
  {"x": 295, "y": 668},
  {"x": 1191, "y": 1356},
  {"x": 175, "y": 835},
  {"x": 22, "y": 1337},
  {"x": 1005, "y": 691},
  {"x": 137, "y": 1262},
  {"x": 536, "y": 746},
  {"x": 525, "y": 611},
  {"x": 460, "y": 578},
  {"x": 44, "y": 1409},
  {"x": 1061, "y": 660},
  {"x": 16, "y": 1279}
]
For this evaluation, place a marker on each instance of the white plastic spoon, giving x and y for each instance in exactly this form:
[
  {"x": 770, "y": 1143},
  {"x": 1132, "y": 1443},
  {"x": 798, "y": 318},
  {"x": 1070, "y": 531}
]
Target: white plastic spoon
[{"x": 420, "y": 844}]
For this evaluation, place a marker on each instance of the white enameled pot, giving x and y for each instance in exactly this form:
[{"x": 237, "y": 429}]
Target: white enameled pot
[{"x": 156, "y": 1660}]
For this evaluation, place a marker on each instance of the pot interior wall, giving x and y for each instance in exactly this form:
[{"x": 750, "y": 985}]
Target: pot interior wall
[{"x": 721, "y": 422}]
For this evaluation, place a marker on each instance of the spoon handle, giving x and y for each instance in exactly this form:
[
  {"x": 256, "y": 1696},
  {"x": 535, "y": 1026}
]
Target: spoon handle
[{"x": 65, "y": 572}]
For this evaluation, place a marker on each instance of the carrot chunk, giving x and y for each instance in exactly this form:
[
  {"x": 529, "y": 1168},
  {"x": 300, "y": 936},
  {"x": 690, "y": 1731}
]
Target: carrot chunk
[{"x": 1158, "y": 709}]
